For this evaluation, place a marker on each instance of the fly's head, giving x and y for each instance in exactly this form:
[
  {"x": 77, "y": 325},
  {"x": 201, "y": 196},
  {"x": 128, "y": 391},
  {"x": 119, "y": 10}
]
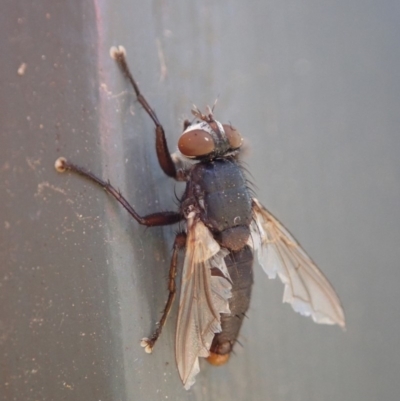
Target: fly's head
[{"x": 208, "y": 139}]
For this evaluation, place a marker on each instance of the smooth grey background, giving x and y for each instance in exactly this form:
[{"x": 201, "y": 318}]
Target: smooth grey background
[{"x": 313, "y": 86}]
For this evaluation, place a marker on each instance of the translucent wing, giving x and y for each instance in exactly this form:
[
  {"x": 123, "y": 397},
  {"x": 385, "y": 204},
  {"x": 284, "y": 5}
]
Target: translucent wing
[
  {"x": 203, "y": 298},
  {"x": 306, "y": 288}
]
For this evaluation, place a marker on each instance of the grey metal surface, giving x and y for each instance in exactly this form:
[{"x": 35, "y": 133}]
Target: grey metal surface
[{"x": 316, "y": 90}]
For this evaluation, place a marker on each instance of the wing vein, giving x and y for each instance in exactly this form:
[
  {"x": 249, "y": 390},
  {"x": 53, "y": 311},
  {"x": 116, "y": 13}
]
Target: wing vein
[{"x": 306, "y": 288}]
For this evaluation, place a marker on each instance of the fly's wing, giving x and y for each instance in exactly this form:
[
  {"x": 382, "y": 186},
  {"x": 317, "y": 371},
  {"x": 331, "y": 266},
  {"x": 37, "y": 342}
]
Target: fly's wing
[
  {"x": 203, "y": 297},
  {"x": 306, "y": 288}
]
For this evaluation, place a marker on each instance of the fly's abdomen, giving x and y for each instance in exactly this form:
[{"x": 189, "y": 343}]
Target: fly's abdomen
[{"x": 240, "y": 267}]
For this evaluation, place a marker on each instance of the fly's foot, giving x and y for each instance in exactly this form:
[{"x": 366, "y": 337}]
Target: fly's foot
[
  {"x": 61, "y": 164},
  {"x": 147, "y": 344},
  {"x": 117, "y": 52}
]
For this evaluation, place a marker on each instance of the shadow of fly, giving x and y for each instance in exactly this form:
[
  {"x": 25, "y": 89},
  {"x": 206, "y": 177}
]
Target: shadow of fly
[{"x": 225, "y": 226}]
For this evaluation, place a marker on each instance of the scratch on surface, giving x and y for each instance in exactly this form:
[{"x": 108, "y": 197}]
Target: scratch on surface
[
  {"x": 109, "y": 93},
  {"x": 43, "y": 185},
  {"x": 68, "y": 386},
  {"x": 161, "y": 58},
  {"x": 83, "y": 218},
  {"x": 33, "y": 163}
]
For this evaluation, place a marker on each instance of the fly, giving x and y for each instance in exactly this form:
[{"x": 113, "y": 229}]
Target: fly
[{"x": 225, "y": 226}]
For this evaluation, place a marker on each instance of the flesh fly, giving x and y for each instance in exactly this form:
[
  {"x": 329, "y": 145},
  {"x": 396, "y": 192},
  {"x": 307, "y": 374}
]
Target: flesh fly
[{"x": 225, "y": 226}]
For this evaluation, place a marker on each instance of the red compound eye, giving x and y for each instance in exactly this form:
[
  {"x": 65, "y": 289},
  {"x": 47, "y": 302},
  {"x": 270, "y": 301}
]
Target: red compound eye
[
  {"x": 233, "y": 135},
  {"x": 196, "y": 143}
]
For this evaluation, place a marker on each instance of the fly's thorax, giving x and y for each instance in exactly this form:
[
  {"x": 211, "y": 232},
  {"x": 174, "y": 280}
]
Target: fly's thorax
[{"x": 219, "y": 190}]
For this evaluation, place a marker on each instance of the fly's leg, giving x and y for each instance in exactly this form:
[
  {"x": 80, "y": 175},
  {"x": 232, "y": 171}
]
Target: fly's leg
[
  {"x": 151, "y": 220},
  {"x": 148, "y": 343},
  {"x": 164, "y": 157}
]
